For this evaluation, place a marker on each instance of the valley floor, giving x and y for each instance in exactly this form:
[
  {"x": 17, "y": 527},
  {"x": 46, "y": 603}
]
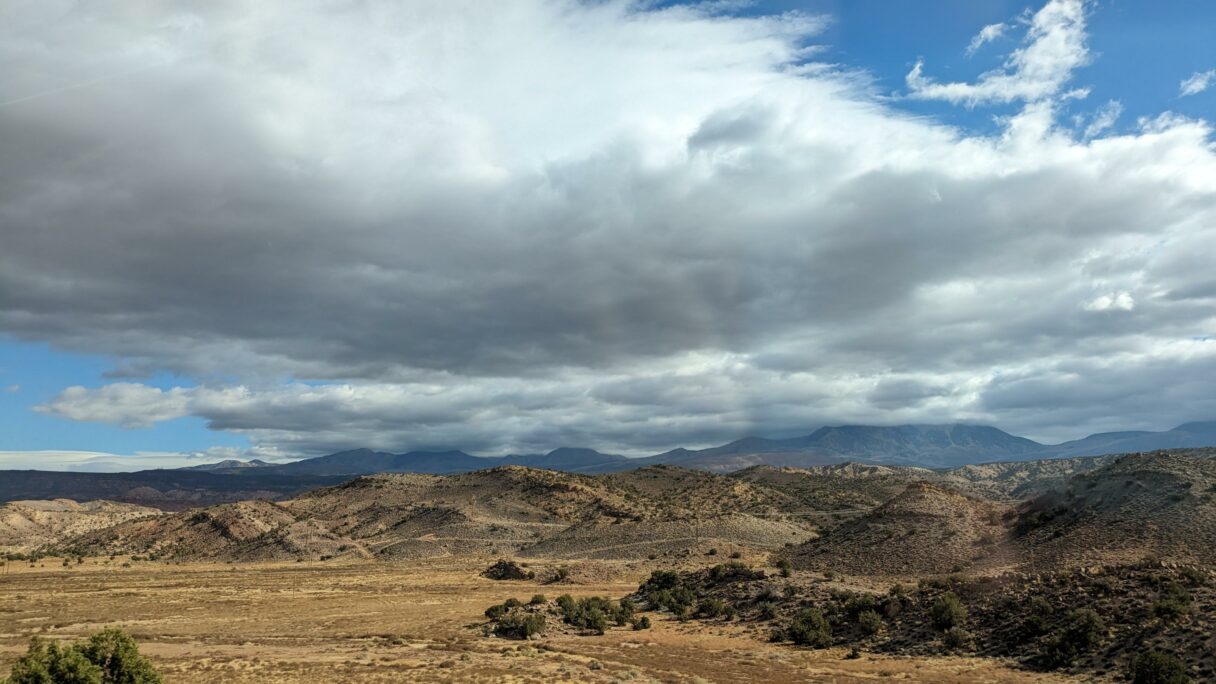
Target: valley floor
[{"x": 405, "y": 621}]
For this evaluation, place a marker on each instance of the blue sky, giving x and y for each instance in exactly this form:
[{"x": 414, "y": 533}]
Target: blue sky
[{"x": 203, "y": 320}]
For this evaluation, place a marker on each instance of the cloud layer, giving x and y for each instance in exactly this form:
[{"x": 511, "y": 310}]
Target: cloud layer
[{"x": 538, "y": 223}]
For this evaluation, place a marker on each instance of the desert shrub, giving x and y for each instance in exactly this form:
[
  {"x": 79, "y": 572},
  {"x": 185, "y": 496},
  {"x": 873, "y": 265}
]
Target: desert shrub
[
  {"x": 537, "y": 599},
  {"x": 663, "y": 579},
  {"x": 736, "y": 554},
  {"x": 810, "y": 628},
  {"x": 732, "y": 572},
  {"x": 948, "y": 611},
  {"x": 870, "y": 621},
  {"x": 712, "y": 608},
  {"x": 640, "y": 623},
  {"x": 856, "y": 604},
  {"x": 512, "y": 603},
  {"x": 1173, "y": 602},
  {"x": 785, "y": 567},
  {"x": 1193, "y": 576},
  {"x": 956, "y": 638},
  {"x": 594, "y": 612},
  {"x": 48, "y": 663},
  {"x": 897, "y": 590},
  {"x": 767, "y": 593},
  {"x": 1035, "y": 623},
  {"x": 503, "y": 569},
  {"x": 109, "y": 657},
  {"x": 496, "y": 611},
  {"x": 519, "y": 625},
  {"x": 560, "y": 575},
  {"x": 565, "y": 604},
  {"x": 1082, "y": 633},
  {"x": 1155, "y": 667},
  {"x": 711, "y": 552}
]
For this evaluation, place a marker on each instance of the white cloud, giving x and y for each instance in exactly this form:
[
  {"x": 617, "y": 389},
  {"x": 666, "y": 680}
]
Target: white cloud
[
  {"x": 1121, "y": 301},
  {"x": 1054, "y": 47},
  {"x": 13, "y": 389},
  {"x": 552, "y": 223},
  {"x": 1104, "y": 119},
  {"x": 105, "y": 462},
  {"x": 130, "y": 405},
  {"x": 986, "y": 35},
  {"x": 1196, "y": 83}
]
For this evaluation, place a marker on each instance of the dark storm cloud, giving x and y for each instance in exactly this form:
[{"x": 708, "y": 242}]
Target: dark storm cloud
[{"x": 570, "y": 223}]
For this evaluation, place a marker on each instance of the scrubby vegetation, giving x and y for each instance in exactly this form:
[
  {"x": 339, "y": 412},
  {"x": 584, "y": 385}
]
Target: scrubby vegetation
[
  {"x": 503, "y": 569},
  {"x": 1032, "y": 619},
  {"x": 108, "y": 657}
]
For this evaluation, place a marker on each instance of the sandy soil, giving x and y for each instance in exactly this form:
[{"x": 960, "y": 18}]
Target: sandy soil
[{"x": 402, "y": 622}]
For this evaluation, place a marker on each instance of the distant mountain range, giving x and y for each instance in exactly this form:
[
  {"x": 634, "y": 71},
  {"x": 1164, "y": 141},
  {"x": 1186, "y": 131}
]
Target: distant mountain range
[{"x": 931, "y": 446}]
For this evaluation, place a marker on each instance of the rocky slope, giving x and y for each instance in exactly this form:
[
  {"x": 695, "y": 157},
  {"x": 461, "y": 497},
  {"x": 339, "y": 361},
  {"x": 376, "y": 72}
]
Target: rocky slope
[
  {"x": 25, "y": 525},
  {"x": 926, "y": 529},
  {"x": 1160, "y": 504}
]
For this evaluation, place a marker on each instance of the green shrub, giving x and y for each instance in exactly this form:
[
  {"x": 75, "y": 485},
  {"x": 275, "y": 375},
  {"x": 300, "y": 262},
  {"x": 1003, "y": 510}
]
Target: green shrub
[
  {"x": 595, "y": 613},
  {"x": 1154, "y": 667},
  {"x": 712, "y": 608},
  {"x": 47, "y": 663},
  {"x": 956, "y": 638},
  {"x": 512, "y": 603},
  {"x": 856, "y": 604},
  {"x": 785, "y": 567},
  {"x": 948, "y": 611},
  {"x": 519, "y": 625},
  {"x": 1035, "y": 624},
  {"x": 1173, "y": 602},
  {"x": 1083, "y": 632},
  {"x": 810, "y": 628},
  {"x": 870, "y": 622},
  {"x": 640, "y": 623},
  {"x": 109, "y": 657},
  {"x": 766, "y": 610},
  {"x": 733, "y": 571},
  {"x": 537, "y": 599}
]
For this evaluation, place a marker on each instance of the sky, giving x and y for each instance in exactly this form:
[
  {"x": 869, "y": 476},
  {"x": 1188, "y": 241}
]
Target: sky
[{"x": 280, "y": 230}]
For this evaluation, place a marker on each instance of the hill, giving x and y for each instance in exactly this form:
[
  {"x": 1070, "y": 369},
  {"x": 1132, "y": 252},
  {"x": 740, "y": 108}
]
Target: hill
[
  {"x": 1155, "y": 504},
  {"x": 25, "y": 525},
  {"x": 926, "y": 529},
  {"x": 504, "y": 509}
]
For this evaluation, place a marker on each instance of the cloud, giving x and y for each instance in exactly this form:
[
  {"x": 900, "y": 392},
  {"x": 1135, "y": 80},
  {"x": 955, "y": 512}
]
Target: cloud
[
  {"x": 1104, "y": 119},
  {"x": 130, "y": 405},
  {"x": 986, "y": 35},
  {"x": 1196, "y": 83},
  {"x": 12, "y": 389},
  {"x": 104, "y": 462},
  {"x": 535, "y": 224},
  {"x": 1054, "y": 47}
]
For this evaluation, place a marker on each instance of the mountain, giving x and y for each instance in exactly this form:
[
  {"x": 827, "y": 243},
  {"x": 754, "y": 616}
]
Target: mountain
[
  {"x": 163, "y": 489},
  {"x": 367, "y": 462},
  {"x": 1185, "y": 436},
  {"x": 939, "y": 446},
  {"x": 229, "y": 464},
  {"x": 574, "y": 460}
]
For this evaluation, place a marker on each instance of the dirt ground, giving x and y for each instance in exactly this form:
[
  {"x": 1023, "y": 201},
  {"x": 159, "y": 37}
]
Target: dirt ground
[{"x": 403, "y": 622}]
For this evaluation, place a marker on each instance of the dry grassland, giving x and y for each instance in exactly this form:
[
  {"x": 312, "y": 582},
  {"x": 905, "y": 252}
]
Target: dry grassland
[{"x": 403, "y": 622}]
